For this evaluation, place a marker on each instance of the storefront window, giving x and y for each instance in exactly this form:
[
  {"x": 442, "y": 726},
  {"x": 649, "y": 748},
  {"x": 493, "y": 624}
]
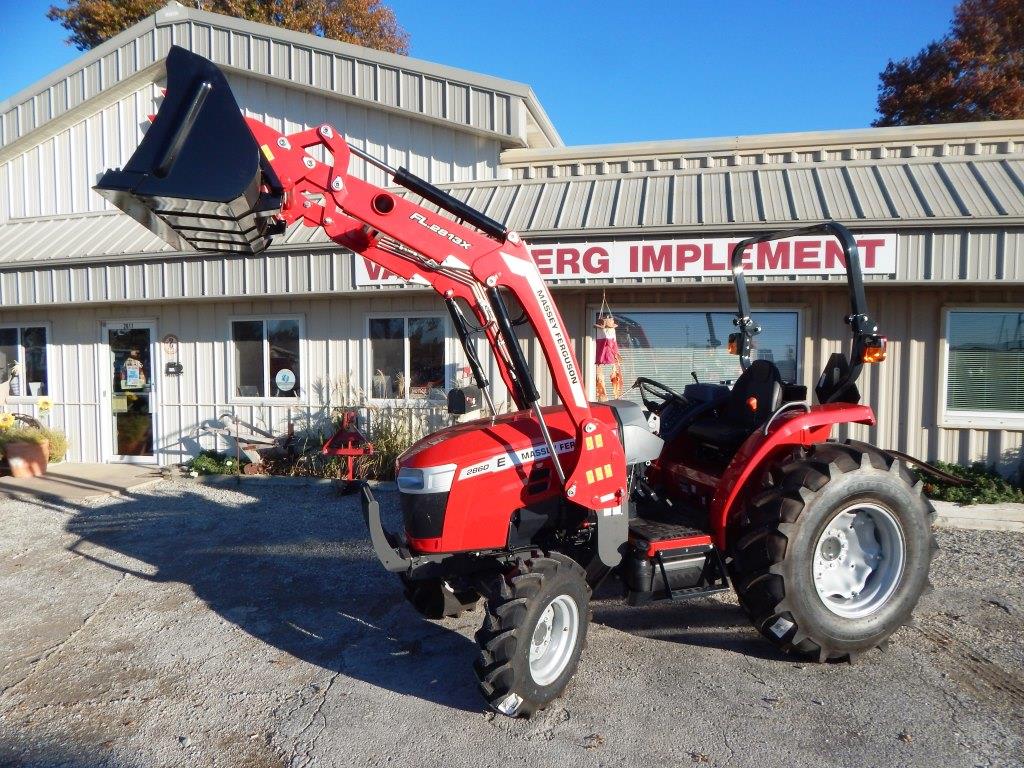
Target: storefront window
[
  {"x": 407, "y": 358},
  {"x": 667, "y": 346},
  {"x": 985, "y": 363},
  {"x": 266, "y": 357},
  {"x": 23, "y": 360}
]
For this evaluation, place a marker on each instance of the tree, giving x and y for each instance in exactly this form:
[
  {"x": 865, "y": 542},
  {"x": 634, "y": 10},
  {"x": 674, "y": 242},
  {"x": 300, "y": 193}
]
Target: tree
[
  {"x": 363, "y": 22},
  {"x": 974, "y": 73}
]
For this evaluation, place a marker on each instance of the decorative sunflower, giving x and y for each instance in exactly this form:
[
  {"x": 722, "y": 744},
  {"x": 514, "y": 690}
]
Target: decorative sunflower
[
  {"x": 6, "y": 421},
  {"x": 45, "y": 403}
]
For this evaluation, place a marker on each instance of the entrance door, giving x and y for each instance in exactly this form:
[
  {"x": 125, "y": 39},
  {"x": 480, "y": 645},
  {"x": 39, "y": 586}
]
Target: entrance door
[{"x": 128, "y": 368}]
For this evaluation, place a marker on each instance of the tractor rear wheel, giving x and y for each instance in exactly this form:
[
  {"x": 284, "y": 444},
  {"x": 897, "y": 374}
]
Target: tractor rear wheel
[
  {"x": 533, "y": 633},
  {"x": 833, "y": 558}
]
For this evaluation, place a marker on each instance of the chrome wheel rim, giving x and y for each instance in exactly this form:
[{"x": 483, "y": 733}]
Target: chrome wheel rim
[
  {"x": 858, "y": 560},
  {"x": 553, "y": 639}
]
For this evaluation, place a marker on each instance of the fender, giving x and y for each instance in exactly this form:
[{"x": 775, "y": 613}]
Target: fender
[{"x": 797, "y": 429}]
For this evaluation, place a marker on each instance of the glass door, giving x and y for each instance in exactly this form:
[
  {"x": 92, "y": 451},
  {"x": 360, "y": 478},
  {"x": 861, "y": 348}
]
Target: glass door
[{"x": 129, "y": 394}]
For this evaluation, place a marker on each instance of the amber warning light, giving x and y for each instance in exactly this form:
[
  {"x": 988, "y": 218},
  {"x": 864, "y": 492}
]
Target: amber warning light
[{"x": 874, "y": 349}]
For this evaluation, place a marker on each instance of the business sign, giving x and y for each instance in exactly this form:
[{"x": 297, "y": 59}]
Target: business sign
[{"x": 692, "y": 257}]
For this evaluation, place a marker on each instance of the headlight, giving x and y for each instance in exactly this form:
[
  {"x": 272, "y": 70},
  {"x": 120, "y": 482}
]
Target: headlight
[
  {"x": 410, "y": 479},
  {"x": 426, "y": 479}
]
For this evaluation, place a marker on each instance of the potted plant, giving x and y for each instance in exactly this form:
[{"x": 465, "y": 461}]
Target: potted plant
[
  {"x": 26, "y": 450},
  {"x": 58, "y": 444}
]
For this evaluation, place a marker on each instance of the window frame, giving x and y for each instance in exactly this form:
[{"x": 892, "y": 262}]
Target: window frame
[
  {"x": 266, "y": 399},
  {"x": 46, "y": 326},
  {"x": 449, "y": 363},
  {"x": 590, "y": 353},
  {"x": 970, "y": 419}
]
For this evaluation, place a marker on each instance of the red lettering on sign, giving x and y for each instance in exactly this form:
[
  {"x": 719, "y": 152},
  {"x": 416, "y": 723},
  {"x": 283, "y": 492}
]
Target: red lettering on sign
[
  {"x": 709, "y": 258},
  {"x": 834, "y": 254},
  {"x": 773, "y": 255},
  {"x": 868, "y": 250},
  {"x": 568, "y": 260},
  {"x": 805, "y": 255},
  {"x": 634, "y": 260},
  {"x": 376, "y": 271},
  {"x": 656, "y": 260},
  {"x": 595, "y": 261},
  {"x": 542, "y": 258},
  {"x": 686, "y": 253},
  {"x": 744, "y": 259}
]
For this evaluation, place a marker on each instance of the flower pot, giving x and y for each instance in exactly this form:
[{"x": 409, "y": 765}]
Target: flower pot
[{"x": 27, "y": 459}]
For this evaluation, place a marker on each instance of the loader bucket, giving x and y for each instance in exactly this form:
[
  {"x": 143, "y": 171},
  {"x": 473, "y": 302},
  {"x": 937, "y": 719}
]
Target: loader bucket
[{"x": 198, "y": 176}]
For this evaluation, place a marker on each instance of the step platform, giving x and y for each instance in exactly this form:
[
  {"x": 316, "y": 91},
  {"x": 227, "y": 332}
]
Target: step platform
[
  {"x": 670, "y": 561},
  {"x": 660, "y": 536}
]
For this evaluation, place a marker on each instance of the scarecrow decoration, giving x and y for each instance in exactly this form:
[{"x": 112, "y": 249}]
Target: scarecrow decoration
[{"x": 607, "y": 352}]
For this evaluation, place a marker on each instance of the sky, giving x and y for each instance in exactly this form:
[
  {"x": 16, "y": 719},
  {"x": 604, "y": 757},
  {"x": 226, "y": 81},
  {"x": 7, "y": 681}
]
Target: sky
[{"x": 630, "y": 71}]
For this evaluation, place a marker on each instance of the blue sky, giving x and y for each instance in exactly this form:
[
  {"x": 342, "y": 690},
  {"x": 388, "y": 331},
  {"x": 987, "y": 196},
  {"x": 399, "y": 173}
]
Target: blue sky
[{"x": 630, "y": 71}]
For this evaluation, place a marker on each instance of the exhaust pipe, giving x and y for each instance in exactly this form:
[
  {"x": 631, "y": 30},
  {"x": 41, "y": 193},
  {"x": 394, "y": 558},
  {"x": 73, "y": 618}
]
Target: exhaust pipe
[{"x": 198, "y": 180}]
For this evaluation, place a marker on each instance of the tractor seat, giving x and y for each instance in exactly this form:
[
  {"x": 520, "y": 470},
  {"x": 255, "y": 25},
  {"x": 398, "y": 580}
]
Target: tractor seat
[{"x": 754, "y": 397}]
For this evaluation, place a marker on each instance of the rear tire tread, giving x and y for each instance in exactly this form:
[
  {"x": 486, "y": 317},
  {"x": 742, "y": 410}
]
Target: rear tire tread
[{"x": 762, "y": 541}]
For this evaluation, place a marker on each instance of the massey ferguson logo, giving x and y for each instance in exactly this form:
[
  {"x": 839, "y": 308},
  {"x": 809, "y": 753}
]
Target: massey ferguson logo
[
  {"x": 419, "y": 218},
  {"x": 556, "y": 331}
]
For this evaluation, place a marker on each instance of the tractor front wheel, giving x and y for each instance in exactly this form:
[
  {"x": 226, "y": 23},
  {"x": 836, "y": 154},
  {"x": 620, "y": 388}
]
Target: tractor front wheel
[
  {"x": 833, "y": 558},
  {"x": 533, "y": 633}
]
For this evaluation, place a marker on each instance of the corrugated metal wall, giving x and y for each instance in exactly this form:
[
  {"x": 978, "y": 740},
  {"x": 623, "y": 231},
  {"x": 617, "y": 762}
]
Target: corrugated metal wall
[
  {"x": 964, "y": 257},
  {"x": 904, "y": 391},
  {"x": 332, "y": 354},
  {"x": 56, "y": 176}
]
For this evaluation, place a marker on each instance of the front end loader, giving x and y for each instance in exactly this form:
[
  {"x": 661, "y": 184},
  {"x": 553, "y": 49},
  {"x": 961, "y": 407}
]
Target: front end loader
[{"x": 827, "y": 544}]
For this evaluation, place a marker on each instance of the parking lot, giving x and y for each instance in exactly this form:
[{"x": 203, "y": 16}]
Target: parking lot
[{"x": 198, "y": 625}]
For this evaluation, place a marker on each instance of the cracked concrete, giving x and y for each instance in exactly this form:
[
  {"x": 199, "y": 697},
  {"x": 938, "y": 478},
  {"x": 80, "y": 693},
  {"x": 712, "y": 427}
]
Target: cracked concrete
[{"x": 194, "y": 625}]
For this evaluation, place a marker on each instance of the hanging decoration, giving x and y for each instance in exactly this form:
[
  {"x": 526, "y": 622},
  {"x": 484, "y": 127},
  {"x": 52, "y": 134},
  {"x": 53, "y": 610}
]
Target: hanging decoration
[{"x": 608, "y": 357}]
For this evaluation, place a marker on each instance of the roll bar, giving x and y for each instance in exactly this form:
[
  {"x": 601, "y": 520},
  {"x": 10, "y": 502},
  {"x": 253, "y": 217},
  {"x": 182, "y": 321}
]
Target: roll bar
[{"x": 862, "y": 326}]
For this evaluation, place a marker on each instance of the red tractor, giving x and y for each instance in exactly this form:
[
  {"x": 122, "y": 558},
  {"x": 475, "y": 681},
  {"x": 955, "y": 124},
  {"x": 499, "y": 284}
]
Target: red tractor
[{"x": 827, "y": 544}]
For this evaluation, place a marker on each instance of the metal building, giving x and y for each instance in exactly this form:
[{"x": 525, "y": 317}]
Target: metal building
[{"x": 97, "y": 311}]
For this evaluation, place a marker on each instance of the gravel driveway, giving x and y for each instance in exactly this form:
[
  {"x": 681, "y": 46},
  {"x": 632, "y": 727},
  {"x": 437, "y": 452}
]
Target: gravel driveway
[{"x": 193, "y": 625}]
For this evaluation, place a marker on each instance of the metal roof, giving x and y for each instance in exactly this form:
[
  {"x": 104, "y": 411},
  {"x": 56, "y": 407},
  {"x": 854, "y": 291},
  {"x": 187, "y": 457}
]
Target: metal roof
[
  {"x": 944, "y": 138},
  {"x": 430, "y": 91},
  {"x": 899, "y": 191},
  {"x": 911, "y": 188}
]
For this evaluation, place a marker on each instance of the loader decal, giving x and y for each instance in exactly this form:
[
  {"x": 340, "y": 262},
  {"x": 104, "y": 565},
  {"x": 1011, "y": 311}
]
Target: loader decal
[
  {"x": 437, "y": 229},
  {"x": 528, "y": 270}
]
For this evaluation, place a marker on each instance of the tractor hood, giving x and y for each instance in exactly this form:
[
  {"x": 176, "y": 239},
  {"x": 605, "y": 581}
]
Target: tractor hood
[
  {"x": 512, "y": 441},
  {"x": 462, "y": 487}
]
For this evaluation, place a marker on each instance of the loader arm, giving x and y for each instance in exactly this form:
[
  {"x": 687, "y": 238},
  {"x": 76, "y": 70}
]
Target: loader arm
[{"x": 162, "y": 186}]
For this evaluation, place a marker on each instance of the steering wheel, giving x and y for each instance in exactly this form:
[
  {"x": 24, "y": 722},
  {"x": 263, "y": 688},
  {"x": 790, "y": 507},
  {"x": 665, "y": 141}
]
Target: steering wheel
[{"x": 649, "y": 388}]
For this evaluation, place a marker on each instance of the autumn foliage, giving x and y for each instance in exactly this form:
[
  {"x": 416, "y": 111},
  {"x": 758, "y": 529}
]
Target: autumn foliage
[
  {"x": 363, "y": 22},
  {"x": 974, "y": 73}
]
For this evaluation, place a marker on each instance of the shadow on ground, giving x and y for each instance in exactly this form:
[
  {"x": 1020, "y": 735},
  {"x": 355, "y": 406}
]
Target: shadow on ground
[
  {"x": 703, "y": 622},
  {"x": 291, "y": 566},
  {"x": 19, "y": 753}
]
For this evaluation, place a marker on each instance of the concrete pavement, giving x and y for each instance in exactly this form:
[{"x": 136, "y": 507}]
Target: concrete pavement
[
  {"x": 980, "y": 517},
  {"x": 78, "y": 482},
  {"x": 196, "y": 625}
]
